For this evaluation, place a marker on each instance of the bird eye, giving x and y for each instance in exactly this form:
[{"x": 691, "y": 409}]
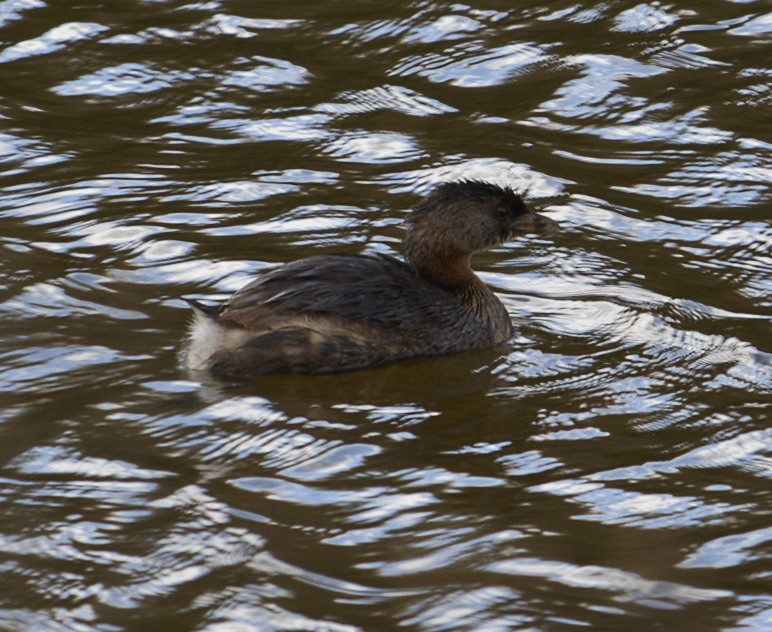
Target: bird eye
[{"x": 502, "y": 211}]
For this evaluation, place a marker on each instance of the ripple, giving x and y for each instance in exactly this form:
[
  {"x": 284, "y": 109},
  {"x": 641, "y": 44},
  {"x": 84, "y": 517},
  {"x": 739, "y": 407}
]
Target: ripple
[
  {"x": 607, "y": 222},
  {"x": 225, "y": 194},
  {"x": 682, "y": 130},
  {"x": 121, "y": 80},
  {"x": 374, "y": 148},
  {"x": 371, "y": 30},
  {"x": 640, "y": 510},
  {"x": 594, "y": 93},
  {"x": 728, "y": 551},
  {"x": 444, "y": 28},
  {"x": 60, "y": 461},
  {"x": 266, "y": 75},
  {"x": 339, "y": 459},
  {"x": 296, "y": 493},
  {"x": 387, "y": 97},
  {"x": 760, "y": 25},
  {"x": 40, "y": 365},
  {"x": 77, "y": 619},
  {"x": 534, "y": 363},
  {"x": 608, "y": 467},
  {"x": 320, "y": 222},
  {"x": 201, "y": 111},
  {"x": 157, "y": 251},
  {"x": 12, "y": 10},
  {"x": 52, "y": 301},
  {"x": 227, "y": 276},
  {"x": 406, "y": 415},
  {"x": 740, "y": 452},
  {"x": 519, "y": 176},
  {"x": 643, "y": 17},
  {"x": 628, "y": 587},
  {"x": 730, "y": 179},
  {"x": 27, "y": 154},
  {"x": 526, "y": 463},
  {"x": 181, "y": 558},
  {"x": 470, "y": 66},
  {"x": 54, "y": 40},
  {"x": 241, "y": 27},
  {"x": 254, "y": 608},
  {"x": 688, "y": 56},
  {"x": 476, "y": 608},
  {"x": 432, "y": 477},
  {"x": 757, "y": 93},
  {"x": 50, "y": 206},
  {"x": 300, "y": 128}
]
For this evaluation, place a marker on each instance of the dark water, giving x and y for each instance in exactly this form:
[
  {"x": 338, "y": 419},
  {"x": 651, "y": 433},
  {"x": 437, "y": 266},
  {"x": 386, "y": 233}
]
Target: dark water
[{"x": 609, "y": 469}]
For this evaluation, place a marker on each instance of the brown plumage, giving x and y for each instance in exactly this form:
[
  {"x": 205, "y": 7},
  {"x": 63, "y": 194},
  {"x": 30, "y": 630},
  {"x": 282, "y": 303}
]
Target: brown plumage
[{"x": 334, "y": 313}]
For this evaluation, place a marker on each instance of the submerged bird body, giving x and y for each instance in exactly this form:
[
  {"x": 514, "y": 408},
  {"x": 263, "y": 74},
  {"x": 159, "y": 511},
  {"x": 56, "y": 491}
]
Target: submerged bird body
[{"x": 334, "y": 313}]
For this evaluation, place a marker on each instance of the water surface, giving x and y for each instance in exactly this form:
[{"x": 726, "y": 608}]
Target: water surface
[{"x": 609, "y": 468}]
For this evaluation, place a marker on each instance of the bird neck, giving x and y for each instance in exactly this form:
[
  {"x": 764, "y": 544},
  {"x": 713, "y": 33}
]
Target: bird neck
[
  {"x": 454, "y": 274},
  {"x": 451, "y": 273}
]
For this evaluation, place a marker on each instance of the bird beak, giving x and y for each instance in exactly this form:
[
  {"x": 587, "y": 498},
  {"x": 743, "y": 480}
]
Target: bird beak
[{"x": 533, "y": 223}]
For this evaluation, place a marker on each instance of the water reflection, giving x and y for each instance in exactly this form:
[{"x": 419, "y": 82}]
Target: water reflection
[{"x": 607, "y": 468}]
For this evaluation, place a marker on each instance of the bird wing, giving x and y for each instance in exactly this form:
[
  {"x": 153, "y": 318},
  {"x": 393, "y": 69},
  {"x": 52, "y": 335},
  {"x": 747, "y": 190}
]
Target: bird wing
[{"x": 378, "y": 289}]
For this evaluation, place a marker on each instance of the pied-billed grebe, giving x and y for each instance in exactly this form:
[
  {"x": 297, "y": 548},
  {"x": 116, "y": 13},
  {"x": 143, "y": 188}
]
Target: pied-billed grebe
[{"x": 333, "y": 313}]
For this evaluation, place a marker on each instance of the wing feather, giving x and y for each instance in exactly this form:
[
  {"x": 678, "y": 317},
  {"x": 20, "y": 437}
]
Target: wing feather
[{"x": 378, "y": 289}]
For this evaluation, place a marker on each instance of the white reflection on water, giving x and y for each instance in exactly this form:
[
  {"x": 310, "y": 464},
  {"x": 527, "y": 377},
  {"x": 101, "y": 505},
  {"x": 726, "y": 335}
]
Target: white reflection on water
[
  {"x": 374, "y": 148},
  {"x": 469, "y": 66},
  {"x": 246, "y": 27},
  {"x": 293, "y": 128},
  {"x": 648, "y": 511},
  {"x": 266, "y": 74},
  {"x": 602, "y": 77},
  {"x": 52, "y": 41},
  {"x": 730, "y": 550},
  {"x": 121, "y": 80},
  {"x": 740, "y": 451},
  {"x": 610, "y": 464},
  {"x": 626, "y": 586},
  {"x": 45, "y": 299},
  {"x": 445, "y": 28},
  {"x": 394, "y": 98},
  {"x": 643, "y": 17},
  {"x": 49, "y": 365},
  {"x": 61, "y": 461},
  {"x": 313, "y": 219},
  {"x": 476, "y": 608},
  {"x": 615, "y": 506},
  {"x": 520, "y": 176}
]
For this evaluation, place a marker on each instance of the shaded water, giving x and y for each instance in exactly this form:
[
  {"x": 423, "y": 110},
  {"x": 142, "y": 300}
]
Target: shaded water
[{"x": 609, "y": 468}]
